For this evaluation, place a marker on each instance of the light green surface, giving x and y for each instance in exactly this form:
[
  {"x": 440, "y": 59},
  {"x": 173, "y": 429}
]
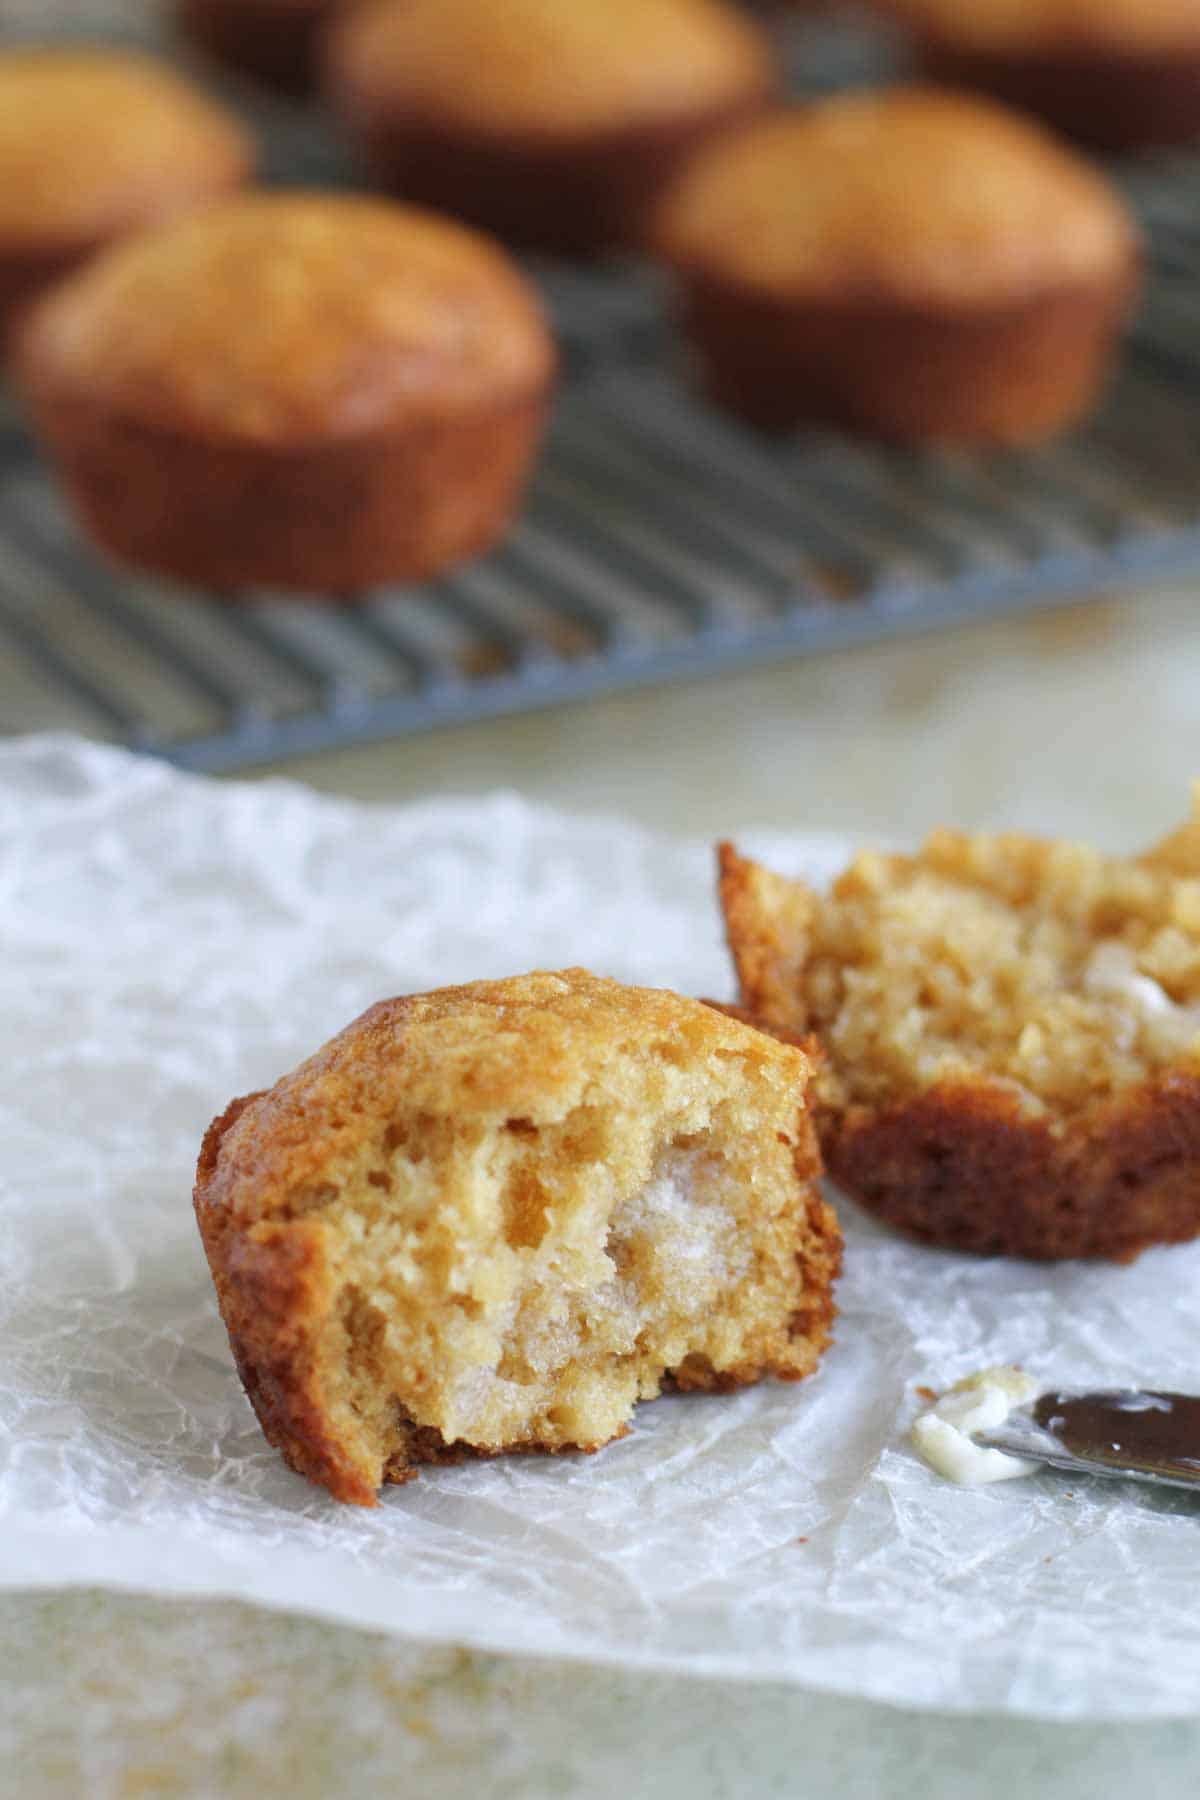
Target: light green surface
[{"x": 114, "y": 1698}]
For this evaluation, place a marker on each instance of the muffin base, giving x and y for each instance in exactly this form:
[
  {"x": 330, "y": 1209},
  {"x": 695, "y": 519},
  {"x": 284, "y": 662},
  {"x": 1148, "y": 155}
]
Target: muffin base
[
  {"x": 1007, "y": 375},
  {"x": 277, "y": 45},
  {"x": 963, "y": 1167},
  {"x": 413, "y": 1171},
  {"x": 1131, "y": 101},
  {"x": 286, "y": 1279},
  {"x": 330, "y": 518},
  {"x": 570, "y": 197}
]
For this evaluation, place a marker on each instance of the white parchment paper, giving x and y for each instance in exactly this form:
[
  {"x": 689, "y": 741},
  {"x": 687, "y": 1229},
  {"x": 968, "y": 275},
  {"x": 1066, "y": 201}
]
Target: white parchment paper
[{"x": 168, "y": 943}]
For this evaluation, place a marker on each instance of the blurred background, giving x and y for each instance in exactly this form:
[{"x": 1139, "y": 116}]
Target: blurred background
[{"x": 689, "y": 621}]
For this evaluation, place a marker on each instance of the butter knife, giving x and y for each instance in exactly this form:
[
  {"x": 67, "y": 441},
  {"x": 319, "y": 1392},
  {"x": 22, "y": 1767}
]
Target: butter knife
[{"x": 1140, "y": 1434}]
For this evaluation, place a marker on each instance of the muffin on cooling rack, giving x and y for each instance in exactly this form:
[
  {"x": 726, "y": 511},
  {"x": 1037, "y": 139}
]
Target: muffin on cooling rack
[
  {"x": 273, "y": 40},
  {"x": 495, "y": 1217},
  {"x": 547, "y": 121},
  {"x": 95, "y": 144},
  {"x": 1121, "y": 74},
  {"x": 1012, "y": 1028},
  {"x": 296, "y": 390},
  {"x": 912, "y": 264}
]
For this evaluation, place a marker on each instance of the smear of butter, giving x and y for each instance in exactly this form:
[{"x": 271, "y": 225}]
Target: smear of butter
[
  {"x": 943, "y": 1434},
  {"x": 1112, "y": 972}
]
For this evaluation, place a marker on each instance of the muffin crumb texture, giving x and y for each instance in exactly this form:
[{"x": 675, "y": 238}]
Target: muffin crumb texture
[
  {"x": 493, "y": 1218},
  {"x": 1012, "y": 1029}
]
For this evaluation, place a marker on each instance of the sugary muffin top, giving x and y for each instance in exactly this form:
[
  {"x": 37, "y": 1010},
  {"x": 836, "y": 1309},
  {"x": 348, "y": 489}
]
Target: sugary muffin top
[
  {"x": 94, "y": 140},
  {"x": 1145, "y": 25},
  {"x": 292, "y": 319},
  {"x": 534, "y": 1046},
  {"x": 915, "y": 195},
  {"x": 553, "y": 67}
]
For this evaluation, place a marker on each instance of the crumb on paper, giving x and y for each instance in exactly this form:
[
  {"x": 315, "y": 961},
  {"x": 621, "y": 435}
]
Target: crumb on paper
[{"x": 942, "y": 1436}]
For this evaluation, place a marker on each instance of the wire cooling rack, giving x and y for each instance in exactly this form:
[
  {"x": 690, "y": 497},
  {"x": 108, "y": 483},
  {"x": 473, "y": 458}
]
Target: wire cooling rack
[{"x": 660, "y": 540}]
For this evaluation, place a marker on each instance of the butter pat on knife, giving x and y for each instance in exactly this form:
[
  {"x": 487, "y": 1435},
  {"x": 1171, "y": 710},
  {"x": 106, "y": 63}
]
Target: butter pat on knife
[
  {"x": 944, "y": 1435},
  {"x": 996, "y": 1425}
]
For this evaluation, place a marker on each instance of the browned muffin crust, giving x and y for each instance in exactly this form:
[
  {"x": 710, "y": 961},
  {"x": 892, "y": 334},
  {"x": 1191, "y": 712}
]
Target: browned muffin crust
[
  {"x": 916, "y": 265},
  {"x": 1116, "y": 74},
  {"x": 275, "y": 41},
  {"x": 304, "y": 390},
  {"x": 992, "y": 1082},
  {"x": 96, "y": 144},
  {"x": 492, "y": 1218},
  {"x": 573, "y": 119}
]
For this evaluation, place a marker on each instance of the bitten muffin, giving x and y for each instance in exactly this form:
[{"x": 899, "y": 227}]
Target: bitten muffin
[
  {"x": 1012, "y": 1028},
  {"x": 275, "y": 41},
  {"x": 494, "y": 1217},
  {"x": 95, "y": 144},
  {"x": 549, "y": 122},
  {"x": 912, "y": 264},
  {"x": 1120, "y": 74},
  {"x": 300, "y": 390}
]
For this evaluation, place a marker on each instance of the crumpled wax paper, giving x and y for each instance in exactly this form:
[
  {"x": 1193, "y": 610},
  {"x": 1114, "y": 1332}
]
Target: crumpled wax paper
[{"x": 169, "y": 943}]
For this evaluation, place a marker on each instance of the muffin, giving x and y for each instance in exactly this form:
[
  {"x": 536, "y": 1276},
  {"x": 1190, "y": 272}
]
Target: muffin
[
  {"x": 911, "y": 264},
  {"x": 1120, "y": 74},
  {"x": 295, "y": 390},
  {"x": 1012, "y": 1028},
  {"x": 549, "y": 122},
  {"x": 495, "y": 1217},
  {"x": 275, "y": 41},
  {"x": 95, "y": 144}
]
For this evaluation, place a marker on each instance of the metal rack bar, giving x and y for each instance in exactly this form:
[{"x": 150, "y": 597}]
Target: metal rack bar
[{"x": 661, "y": 540}]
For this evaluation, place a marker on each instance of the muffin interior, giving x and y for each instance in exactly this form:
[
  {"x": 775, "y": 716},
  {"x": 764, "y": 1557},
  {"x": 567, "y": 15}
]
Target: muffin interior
[
  {"x": 529, "y": 1284},
  {"x": 1063, "y": 973}
]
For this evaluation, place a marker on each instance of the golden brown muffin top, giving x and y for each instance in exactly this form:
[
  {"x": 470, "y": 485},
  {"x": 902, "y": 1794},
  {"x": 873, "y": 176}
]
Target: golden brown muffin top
[
  {"x": 915, "y": 195},
  {"x": 552, "y": 67},
  {"x": 92, "y": 141},
  {"x": 1135, "y": 25},
  {"x": 295, "y": 318},
  {"x": 527, "y": 1048}
]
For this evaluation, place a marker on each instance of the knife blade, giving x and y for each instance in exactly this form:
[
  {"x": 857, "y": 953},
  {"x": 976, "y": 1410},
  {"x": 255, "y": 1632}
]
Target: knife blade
[{"x": 1141, "y": 1434}]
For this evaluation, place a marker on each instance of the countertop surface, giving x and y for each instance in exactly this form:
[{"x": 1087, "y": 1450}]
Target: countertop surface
[
  {"x": 1086, "y": 721},
  {"x": 1082, "y": 721}
]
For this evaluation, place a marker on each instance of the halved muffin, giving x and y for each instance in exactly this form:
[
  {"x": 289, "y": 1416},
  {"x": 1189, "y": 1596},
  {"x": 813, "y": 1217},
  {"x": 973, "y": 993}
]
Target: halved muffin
[
  {"x": 1012, "y": 1034},
  {"x": 914, "y": 264},
  {"x": 301, "y": 390},
  {"x": 495, "y": 1217},
  {"x": 549, "y": 122},
  {"x": 96, "y": 144},
  {"x": 1120, "y": 74}
]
